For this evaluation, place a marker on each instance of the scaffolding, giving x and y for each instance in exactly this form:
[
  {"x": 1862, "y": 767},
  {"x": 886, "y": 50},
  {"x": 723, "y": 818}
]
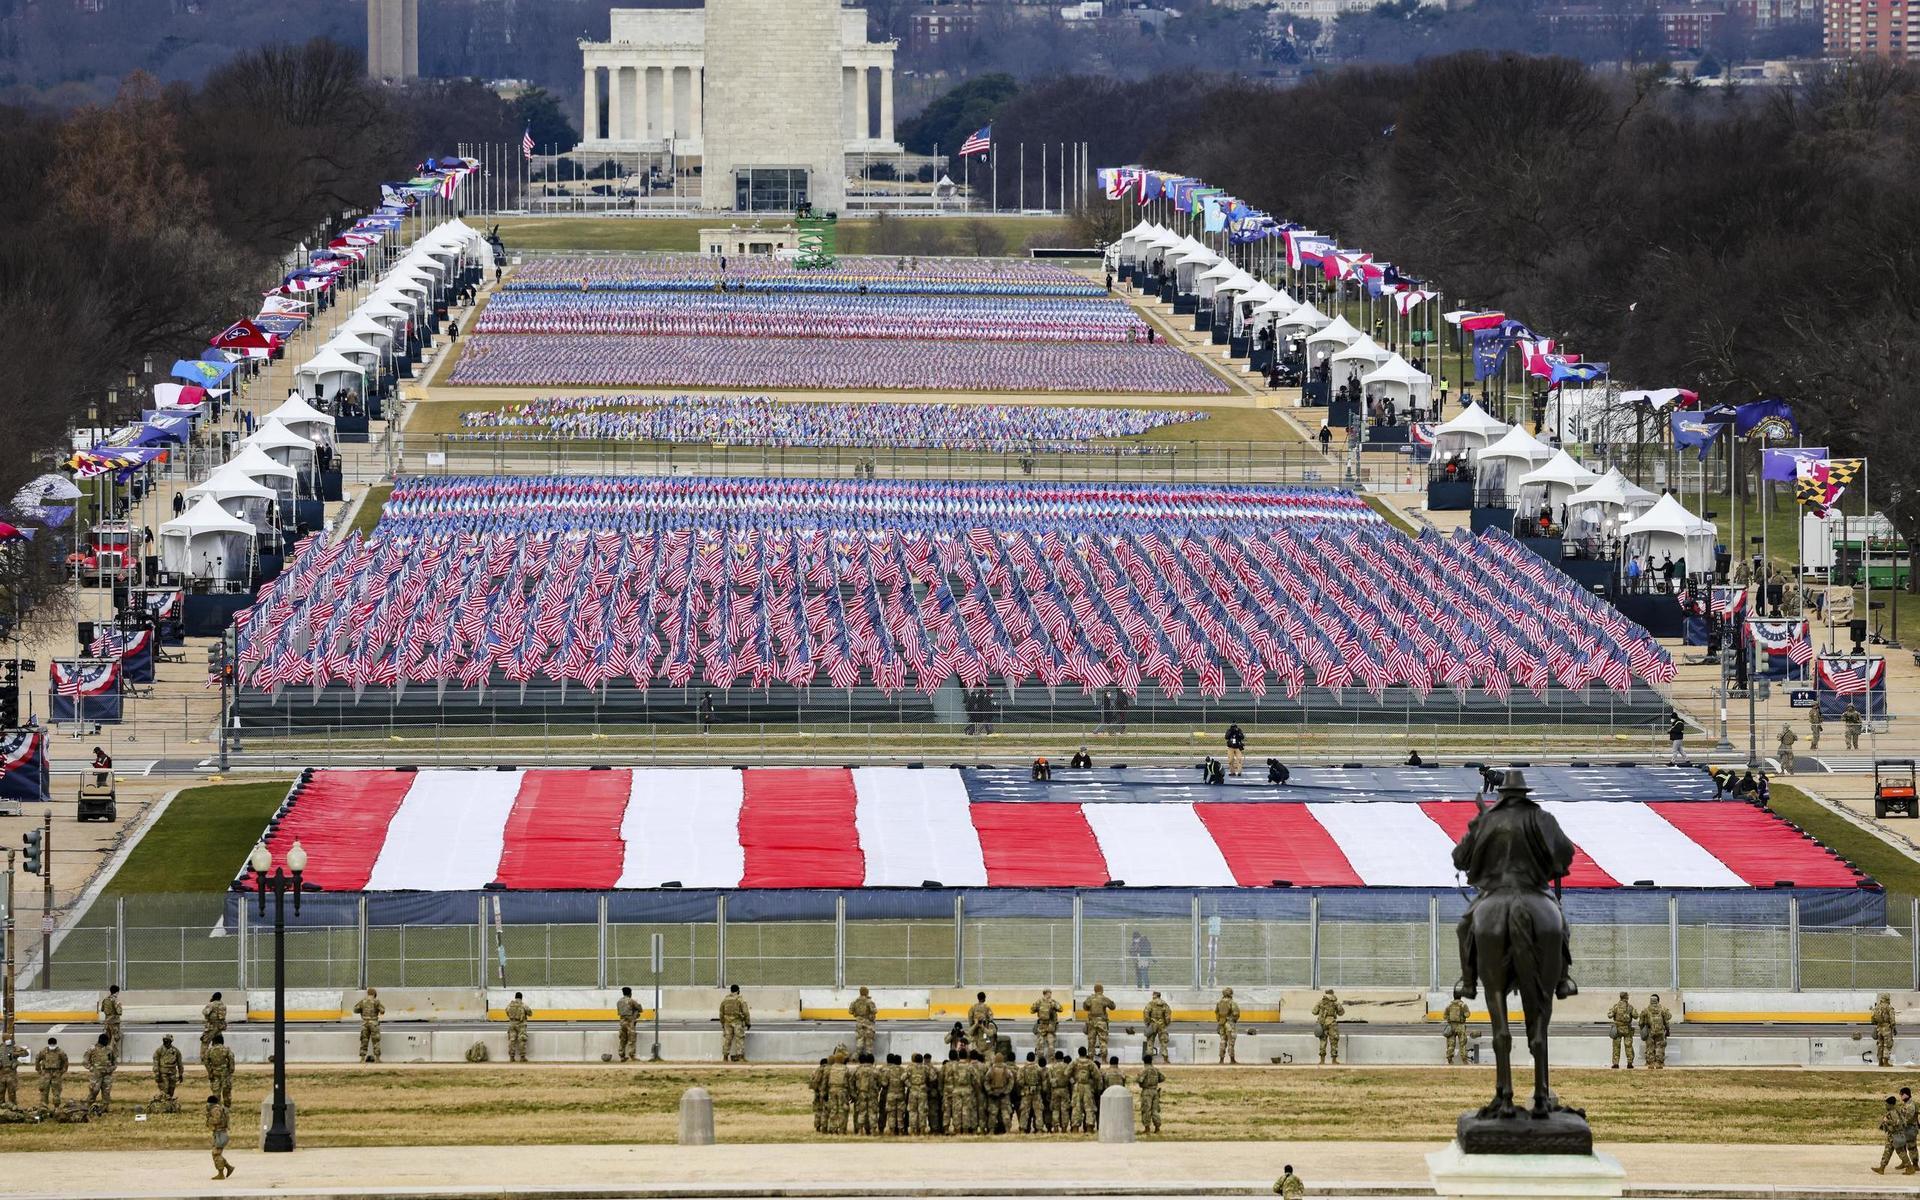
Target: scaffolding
[{"x": 817, "y": 241}]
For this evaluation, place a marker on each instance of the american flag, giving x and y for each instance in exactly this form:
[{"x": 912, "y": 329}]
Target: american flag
[
  {"x": 526, "y": 144},
  {"x": 980, "y": 143}
]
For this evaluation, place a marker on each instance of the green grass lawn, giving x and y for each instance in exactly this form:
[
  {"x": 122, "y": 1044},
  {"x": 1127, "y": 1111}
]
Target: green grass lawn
[
  {"x": 198, "y": 842},
  {"x": 915, "y": 235},
  {"x": 368, "y": 514},
  {"x": 1892, "y": 869}
]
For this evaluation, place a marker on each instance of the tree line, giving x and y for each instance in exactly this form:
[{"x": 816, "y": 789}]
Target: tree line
[
  {"x": 143, "y": 226},
  {"x": 1743, "y": 242}
]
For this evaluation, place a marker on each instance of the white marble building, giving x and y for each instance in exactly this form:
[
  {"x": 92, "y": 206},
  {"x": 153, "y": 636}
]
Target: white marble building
[{"x": 656, "y": 79}]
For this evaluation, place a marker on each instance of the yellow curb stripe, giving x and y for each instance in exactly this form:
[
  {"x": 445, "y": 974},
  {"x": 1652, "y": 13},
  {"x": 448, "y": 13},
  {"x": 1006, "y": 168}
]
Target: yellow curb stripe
[
  {"x": 1789, "y": 1018},
  {"x": 309, "y": 1014},
  {"x": 56, "y": 1018}
]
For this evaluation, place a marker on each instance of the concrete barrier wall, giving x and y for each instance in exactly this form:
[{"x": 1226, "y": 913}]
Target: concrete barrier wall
[{"x": 1290, "y": 1007}]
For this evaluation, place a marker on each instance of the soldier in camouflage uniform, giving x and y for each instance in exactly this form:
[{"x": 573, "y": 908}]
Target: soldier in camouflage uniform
[
  {"x": 1326, "y": 1016},
  {"x": 977, "y": 1080},
  {"x": 1032, "y": 1078},
  {"x": 1456, "y": 1016},
  {"x": 1288, "y": 1186},
  {"x": 1000, "y": 1080},
  {"x": 838, "y": 1094},
  {"x": 217, "y": 1134},
  {"x": 954, "y": 1089},
  {"x": 168, "y": 1069},
  {"x": 1059, "y": 1093},
  {"x": 1158, "y": 1015},
  {"x": 218, "y": 1063},
  {"x": 1853, "y": 723},
  {"x": 1654, "y": 1022},
  {"x": 1883, "y": 1028},
  {"x": 518, "y": 1014},
  {"x": 1151, "y": 1077},
  {"x": 213, "y": 1021},
  {"x": 1227, "y": 1016},
  {"x": 1110, "y": 1077},
  {"x": 735, "y": 1020},
  {"x": 894, "y": 1108},
  {"x": 864, "y": 1012},
  {"x": 1622, "y": 1015},
  {"x": 866, "y": 1094},
  {"x": 9, "y": 1073},
  {"x": 110, "y": 1014},
  {"x": 956, "y": 1039},
  {"x": 936, "y": 1107},
  {"x": 628, "y": 1010},
  {"x": 1086, "y": 1079},
  {"x": 51, "y": 1066},
  {"x": 369, "y": 1009},
  {"x": 100, "y": 1064},
  {"x": 1894, "y": 1125},
  {"x": 1097, "y": 1008},
  {"x": 817, "y": 1084},
  {"x": 982, "y": 1030},
  {"x": 917, "y": 1096},
  {"x": 1046, "y": 1024}
]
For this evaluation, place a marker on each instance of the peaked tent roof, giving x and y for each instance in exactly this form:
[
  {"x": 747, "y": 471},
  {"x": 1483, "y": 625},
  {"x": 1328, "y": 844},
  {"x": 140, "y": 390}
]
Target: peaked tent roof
[
  {"x": 1475, "y": 421},
  {"x": 206, "y": 516},
  {"x": 1668, "y": 515},
  {"x": 1520, "y": 444}
]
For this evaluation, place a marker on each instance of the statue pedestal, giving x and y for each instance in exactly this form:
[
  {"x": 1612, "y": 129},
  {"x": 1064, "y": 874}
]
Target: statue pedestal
[{"x": 1462, "y": 1176}]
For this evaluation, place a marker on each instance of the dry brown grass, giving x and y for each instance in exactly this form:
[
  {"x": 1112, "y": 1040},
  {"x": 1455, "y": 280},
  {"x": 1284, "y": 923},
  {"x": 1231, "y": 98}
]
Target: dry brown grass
[{"x": 494, "y": 1105}]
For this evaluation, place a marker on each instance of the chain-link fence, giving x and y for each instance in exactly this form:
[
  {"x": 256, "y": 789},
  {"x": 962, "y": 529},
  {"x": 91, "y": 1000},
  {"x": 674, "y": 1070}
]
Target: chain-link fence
[{"x": 1256, "y": 938}]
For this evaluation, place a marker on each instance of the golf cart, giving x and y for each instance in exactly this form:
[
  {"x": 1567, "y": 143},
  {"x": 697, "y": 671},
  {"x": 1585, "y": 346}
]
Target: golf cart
[
  {"x": 1893, "y": 788},
  {"x": 97, "y": 797}
]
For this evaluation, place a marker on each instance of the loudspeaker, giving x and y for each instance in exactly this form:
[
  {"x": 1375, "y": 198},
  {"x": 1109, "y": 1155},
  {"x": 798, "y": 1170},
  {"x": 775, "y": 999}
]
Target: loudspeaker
[
  {"x": 86, "y": 635},
  {"x": 1856, "y": 629}
]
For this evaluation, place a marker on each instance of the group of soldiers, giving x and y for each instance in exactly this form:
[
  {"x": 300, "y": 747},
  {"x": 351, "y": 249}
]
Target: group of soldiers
[
  {"x": 1901, "y": 1125},
  {"x": 970, "y": 1094},
  {"x": 1654, "y": 1021},
  {"x": 1852, "y": 723}
]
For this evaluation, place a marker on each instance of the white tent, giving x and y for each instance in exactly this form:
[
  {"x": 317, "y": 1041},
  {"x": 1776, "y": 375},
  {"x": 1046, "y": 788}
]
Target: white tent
[
  {"x": 331, "y": 372},
  {"x": 1469, "y": 432},
  {"x": 1359, "y": 358},
  {"x": 281, "y": 444},
  {"x": 304, "y": 419},
  {"x": 207, "y": 542},
  {"x": 238, "y": 493},
  {"x": 1553, "y": 482},
  {"x": 352, "y": 347},
  {"x": 1127, "y": 245},
  {"x": 1615, "y": 495},
  {"x": 1397, "y": 379},
  {"x": 253, "y": 462},
  {"x": 365, "y": 328},
  {"x": 1506, "y": 460},
  {"x": 1669, "y": 529},
  {"x": 1189, "y": 259},
  {"x": 1336, "y": 334},
  {"x": 1303, "y": 318},
  {"x": 380, "y": 310}
]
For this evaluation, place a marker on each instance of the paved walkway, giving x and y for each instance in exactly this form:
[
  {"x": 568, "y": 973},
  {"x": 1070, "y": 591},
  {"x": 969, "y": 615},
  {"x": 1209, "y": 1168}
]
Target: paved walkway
[{"x": 906, "y": 1168}]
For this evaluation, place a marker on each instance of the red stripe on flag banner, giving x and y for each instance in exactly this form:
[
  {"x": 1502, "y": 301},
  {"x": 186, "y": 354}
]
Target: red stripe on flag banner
[
  {"x": 341, "y": 821},
  {"x": 1455, "y": 815},
  {"x": 1265, "y": 842},
  {"x": 1755, "y": 845},
  {"x": 797, "y": 829},
  {"x": 564, "y": 830},
  {"x": 1038, "y": 845}
]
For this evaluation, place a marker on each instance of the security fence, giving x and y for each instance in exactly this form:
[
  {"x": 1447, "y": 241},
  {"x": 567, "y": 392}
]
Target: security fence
[{"x": 1362, "y": 938}]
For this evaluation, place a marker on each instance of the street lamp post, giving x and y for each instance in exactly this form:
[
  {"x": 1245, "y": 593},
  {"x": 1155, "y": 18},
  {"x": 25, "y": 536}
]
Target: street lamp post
[{"x": 279, "y": 1139}]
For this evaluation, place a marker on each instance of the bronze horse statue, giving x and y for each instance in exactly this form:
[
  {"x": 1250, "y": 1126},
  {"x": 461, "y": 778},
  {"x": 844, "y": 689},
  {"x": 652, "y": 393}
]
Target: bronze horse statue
[{"x": 1514, "y": 934}]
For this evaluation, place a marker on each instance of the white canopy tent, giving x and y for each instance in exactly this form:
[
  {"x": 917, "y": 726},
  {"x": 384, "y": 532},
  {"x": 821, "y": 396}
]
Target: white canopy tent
[
  {"x": 1334, "y": 336},
  {"x": 1358, "y": 359},
  {"x": 1504, "y": 462},
  {"x": 1207, "y": 283},
  {"x": 282, "y": 445},
  {"x": 1189, "y": 260},
  {"x": 253, "y": 462},
  {"x": 353, "y": 348},
  {"x": 1668, "y": 529},
  {"x": 330, "y": 373},
  {"x": 1399, "y": 380},
  {"x": 1302, "y": 318},
  {"x": 1247, "y": 304},
  {"x": 304, "y": 419},
  {"x": 1472, "y": 430},
  {"x": 1552, "y": 483},
  {"x": 238, "y": 493},
  {"x": 1127, "y": 245},
  {"x": 365, "y": 328},
  {"x": 1615, "y": 497},
  {"x": 207, "y": 542}
]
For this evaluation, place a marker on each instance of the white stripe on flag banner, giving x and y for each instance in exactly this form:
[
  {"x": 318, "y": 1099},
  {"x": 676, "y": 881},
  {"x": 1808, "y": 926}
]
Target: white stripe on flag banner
[
  {"x": 916, "y": 826},
  {"x": 448, "y": 833},
  {"x": 1158, "y": 845},
  {"x": 683, "y": 825},
  {"x": 1630, "y": 841},
  {"x": 1389, "y": 844}
]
